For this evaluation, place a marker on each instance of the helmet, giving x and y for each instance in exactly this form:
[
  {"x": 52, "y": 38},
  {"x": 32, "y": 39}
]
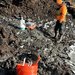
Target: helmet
[{"x": 59, "y": 2}]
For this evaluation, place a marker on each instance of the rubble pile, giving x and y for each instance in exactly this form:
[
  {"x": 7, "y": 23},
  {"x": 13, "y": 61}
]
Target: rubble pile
[
  {"x": 54, "y": 57},
  {"x": 32, "y": 8}
]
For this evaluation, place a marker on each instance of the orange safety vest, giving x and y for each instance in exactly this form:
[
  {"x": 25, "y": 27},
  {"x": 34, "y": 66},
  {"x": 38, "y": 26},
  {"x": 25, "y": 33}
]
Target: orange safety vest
[{"x": 63, "y": 12}]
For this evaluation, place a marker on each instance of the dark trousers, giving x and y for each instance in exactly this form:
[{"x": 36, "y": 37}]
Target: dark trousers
[{"x": 58, "y": 26}]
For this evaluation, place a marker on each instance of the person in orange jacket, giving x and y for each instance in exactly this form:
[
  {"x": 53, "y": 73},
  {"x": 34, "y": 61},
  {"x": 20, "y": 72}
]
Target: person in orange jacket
[{"x": 60, "y": 17}]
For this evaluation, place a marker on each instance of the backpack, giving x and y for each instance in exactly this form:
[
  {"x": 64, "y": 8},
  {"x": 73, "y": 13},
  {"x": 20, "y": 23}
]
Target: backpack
[{"x": 70, "y": 9}]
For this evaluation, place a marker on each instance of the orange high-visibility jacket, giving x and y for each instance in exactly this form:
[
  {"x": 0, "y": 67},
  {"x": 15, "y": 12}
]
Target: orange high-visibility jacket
[{"x": 63, "y": 12}]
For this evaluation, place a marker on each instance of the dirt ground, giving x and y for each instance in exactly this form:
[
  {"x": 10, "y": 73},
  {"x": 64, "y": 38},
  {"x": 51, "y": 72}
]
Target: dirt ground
[{"x": 15, "y": 44}]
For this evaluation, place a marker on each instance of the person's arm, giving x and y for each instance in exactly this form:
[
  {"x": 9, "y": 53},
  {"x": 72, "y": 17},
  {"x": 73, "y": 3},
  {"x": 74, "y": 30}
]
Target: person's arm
[{"x": 63, "y": 14}]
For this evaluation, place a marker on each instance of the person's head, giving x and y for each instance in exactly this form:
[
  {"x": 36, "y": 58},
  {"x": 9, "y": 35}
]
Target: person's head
[{"x": 59, "y": 2}]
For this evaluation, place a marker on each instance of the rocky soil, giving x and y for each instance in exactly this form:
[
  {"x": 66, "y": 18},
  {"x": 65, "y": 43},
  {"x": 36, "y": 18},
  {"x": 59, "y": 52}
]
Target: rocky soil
[
  {"x": 32, "y": 8},
  {"x": 15, "y": 43}
]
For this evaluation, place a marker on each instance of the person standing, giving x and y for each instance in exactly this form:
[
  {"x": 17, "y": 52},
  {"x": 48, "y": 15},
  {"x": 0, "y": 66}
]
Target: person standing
[{"x": 60, "y": 17}]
